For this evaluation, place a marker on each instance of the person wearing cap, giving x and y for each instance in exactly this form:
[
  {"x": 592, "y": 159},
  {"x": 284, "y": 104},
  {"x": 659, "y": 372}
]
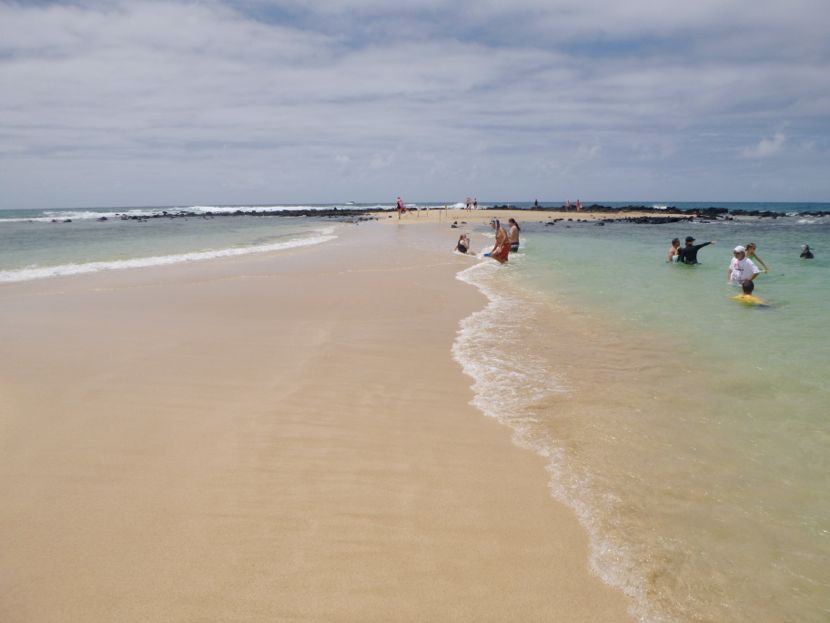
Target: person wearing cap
[
  {"x": 741, "y": 268},
  {"x": 688, "y": 254}
]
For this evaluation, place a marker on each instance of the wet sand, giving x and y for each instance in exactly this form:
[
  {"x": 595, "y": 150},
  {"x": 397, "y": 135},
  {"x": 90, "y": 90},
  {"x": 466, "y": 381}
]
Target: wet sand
[{"x": 270, "y": 438}]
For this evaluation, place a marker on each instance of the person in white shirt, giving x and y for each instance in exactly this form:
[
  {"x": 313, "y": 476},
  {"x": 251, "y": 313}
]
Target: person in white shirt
[{"x": 741, "y": 268}]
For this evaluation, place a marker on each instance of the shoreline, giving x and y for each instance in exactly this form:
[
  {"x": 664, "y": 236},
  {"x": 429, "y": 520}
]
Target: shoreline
[{"x": 315, "y": 459}]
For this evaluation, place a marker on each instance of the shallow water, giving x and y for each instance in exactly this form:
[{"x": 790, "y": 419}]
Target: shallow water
[
  {"x": 689, "y": 432},
  {"x": 38, "y": 248}
]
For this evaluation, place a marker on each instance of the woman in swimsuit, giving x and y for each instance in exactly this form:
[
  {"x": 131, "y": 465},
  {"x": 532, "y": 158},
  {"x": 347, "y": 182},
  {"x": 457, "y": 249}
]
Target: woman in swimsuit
[
  {"x": 502, "y": 247},
  {"x": 514, "y": 234},
  {"x": 463, "y": 244}
]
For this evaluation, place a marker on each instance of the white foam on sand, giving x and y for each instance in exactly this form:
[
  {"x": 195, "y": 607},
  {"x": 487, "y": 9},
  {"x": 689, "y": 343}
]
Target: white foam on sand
[
  {"x": 37, "y": 272},
  {"x": 511, "y": 383}
]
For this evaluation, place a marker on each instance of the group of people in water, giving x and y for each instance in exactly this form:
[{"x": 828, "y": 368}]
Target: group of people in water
[
  {"x": 742, "y": 269},
  {"x": 506, "y": 241}
]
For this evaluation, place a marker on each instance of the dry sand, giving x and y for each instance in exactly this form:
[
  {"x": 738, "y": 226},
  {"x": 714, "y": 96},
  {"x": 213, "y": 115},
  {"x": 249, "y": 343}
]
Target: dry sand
[
  {"x": 441, "y": 216},
  {"x": 270, "y": 438}
]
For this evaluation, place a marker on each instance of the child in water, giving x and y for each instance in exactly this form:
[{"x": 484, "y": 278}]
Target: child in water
[{"x": 747, "y": 298}]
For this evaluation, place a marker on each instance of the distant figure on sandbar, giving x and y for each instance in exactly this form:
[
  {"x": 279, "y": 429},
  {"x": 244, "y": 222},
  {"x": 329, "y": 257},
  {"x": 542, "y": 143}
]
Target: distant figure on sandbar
[
  {"x": 401, "y": 207},
  {"x": 806, "y": 254},
  {"x": 475, "y": 203},
  {"x": 463, "y": 245},
  {"x": 741, "y": 268},
  {"x": 501, "y": 249},
  {"x": 513, "y": 236},
  {"x": 674, "y": 250},
  {"x": 578, "y": 205},
  {"x": 535, "y": 203},
  {"x": 747, "y": 298},
  {"x": 688, "y": 254},
  {"x": 751, "y": 247}
]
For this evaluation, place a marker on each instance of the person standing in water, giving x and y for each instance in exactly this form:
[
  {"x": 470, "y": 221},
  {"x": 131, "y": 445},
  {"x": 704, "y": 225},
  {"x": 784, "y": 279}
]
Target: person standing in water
[
  {"x": 688, "y": 254},
  {"x": 741, "y": 268},
  {"x": 674, "y": 250},
  {"x": 513, "y": 236},
  {"x": 751, "y": 247},
  {"x": 501, "y": 249},
  {"x": 806, "y": 254}
]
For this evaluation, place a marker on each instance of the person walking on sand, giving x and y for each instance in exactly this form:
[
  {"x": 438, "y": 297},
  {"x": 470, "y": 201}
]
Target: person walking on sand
[
  {"x": 674, "y": 250},
  {"x": 688, "y": 254},
  {"x": 401, "y": 207},
  {"x": 501, "y": 249},
  {"x": 513, "y": 235},
  {"x": 751, "y": 247},
  {"x": 741, "y": 268}
]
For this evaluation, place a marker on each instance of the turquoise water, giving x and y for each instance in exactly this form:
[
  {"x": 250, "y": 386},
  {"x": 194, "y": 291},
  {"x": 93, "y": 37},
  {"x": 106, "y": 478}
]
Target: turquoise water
[
  {"x": 690, "y": 433},
  {"x": 32, "y": 246}
]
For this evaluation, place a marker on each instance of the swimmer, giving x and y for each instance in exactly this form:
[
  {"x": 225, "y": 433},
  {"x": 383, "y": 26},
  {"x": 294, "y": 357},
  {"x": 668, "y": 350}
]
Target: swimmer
[
  {"x": 751, "y": 247},
  {"x": 463, "y": 245},
  {"x": 513, "y": 236},
  {"x": 674, "y": 250},
  {"x": 806, "y": 254},
  {"x": 747, "y": 298}
]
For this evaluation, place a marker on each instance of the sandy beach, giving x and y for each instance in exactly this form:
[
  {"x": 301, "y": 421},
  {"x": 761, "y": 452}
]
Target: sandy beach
[
  {"x": 280, "y": 437},
  {"x": 482, "y": 216}
]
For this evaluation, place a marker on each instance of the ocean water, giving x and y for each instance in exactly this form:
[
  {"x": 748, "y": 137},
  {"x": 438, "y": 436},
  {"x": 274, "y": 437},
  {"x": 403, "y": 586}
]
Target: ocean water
[
  {"x": 690, "y": 433},
  {"x": 38, "y": 244}
]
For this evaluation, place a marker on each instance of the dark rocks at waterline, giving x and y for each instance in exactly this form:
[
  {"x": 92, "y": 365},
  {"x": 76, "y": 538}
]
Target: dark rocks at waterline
[
  {"x": 363, "y": 215},
  {"x": 650, "y": 220},
  {"x": 710, "y": 213}
]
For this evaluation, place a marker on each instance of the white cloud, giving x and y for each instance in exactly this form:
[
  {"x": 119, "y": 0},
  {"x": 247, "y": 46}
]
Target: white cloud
[
  {"x": 766, "y": 147},
  {"x": 227, "y": 102}
]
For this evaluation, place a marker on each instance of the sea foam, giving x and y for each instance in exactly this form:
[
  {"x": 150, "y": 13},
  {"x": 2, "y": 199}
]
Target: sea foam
[
  {"x": 43, "y": 272},
  {"x": 511, "y": 383}
]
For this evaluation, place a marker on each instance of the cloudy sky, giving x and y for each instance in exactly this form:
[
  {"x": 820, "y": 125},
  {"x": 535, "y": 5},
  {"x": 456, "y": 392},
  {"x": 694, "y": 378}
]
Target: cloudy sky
[{"x": 253, "y": 101}]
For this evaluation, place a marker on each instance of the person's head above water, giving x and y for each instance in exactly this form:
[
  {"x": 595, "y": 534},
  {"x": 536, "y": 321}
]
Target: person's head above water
[
  {"x": 689, "y": 239},
  {"x": 748, "y": 286},
  {"x": 675, "y": 242}
]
